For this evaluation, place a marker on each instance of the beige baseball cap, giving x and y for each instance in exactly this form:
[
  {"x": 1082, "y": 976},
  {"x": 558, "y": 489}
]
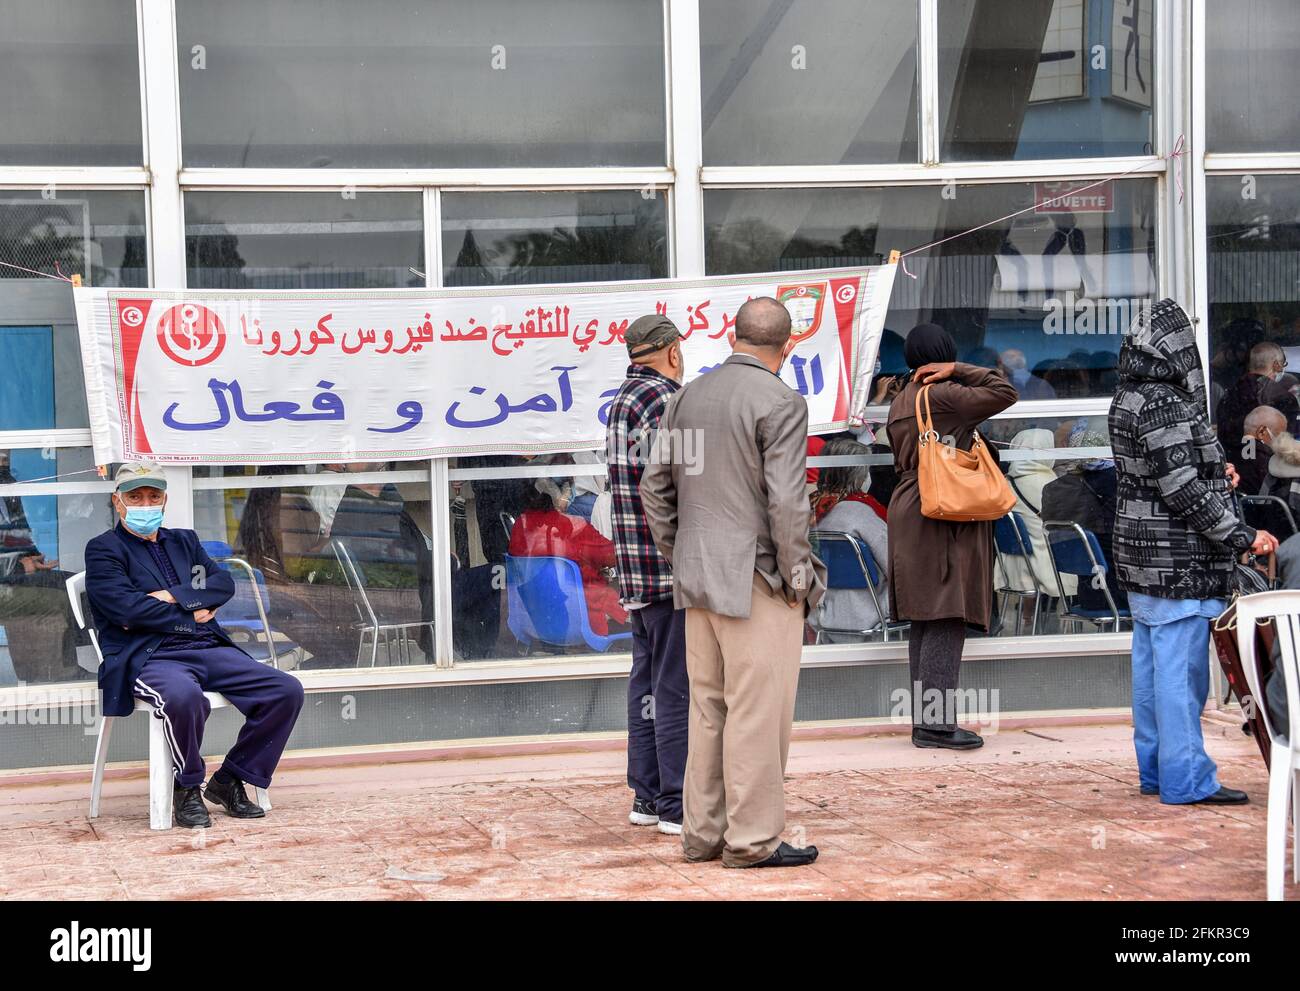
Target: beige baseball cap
[{"x": 138, "y": 474}]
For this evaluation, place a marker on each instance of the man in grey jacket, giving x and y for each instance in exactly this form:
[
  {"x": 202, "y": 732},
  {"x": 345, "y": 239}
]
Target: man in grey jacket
[{"x": 725, "y": 499}]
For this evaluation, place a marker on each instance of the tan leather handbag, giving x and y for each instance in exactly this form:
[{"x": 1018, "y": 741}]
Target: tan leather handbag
[{"x": 956, "y": 485}]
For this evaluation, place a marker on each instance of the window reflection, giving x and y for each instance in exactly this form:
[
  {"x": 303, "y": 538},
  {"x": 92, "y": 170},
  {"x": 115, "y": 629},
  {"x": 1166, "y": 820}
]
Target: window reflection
[
  {"x": 1047, "y": 294},
  {"x": 1251, "y": 76},
  {"x": 345, "y": 564},
  {"x": 816, "y": 82},
  {"x": 517, "y": 238},
  {"x": 1045, "y": 78},
  {"x": 98, "y": 235},
  {"x": 1053, "y": 568},
  {"x": 256, "y": 240},
  {"x": 42, "y": 540},
  {"x": 533, "y": 568}
]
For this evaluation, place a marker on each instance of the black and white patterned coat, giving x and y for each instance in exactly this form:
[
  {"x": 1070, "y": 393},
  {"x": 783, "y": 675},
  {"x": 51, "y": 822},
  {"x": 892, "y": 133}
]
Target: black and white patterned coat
[{"x": 1176, "y": 534}]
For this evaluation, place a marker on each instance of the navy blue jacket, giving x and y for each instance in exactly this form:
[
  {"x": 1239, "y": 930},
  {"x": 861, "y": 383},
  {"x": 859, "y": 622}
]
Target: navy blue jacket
[{"x": 130, "y": 624}]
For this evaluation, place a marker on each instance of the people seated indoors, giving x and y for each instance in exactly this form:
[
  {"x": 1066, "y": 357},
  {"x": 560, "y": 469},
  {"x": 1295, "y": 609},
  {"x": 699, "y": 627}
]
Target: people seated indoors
[
  {"x": 1283, "y": 480},
  {"x": 1086, "y": 494},
  {"x": 1259, "y": 386},
  {"x": 1028, "y": 478},
  {"x": 841, "y": 503},
  {"x": 1262, "y": 425},
  {"x": 542, "y": 530}
]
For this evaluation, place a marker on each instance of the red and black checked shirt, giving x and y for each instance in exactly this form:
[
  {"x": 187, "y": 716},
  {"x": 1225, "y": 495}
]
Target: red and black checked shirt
[{"x": 644, "y": 576}]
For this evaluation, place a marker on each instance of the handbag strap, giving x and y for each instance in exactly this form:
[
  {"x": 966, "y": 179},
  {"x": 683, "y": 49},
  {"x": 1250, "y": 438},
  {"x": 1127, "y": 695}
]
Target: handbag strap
[{"x": 924, "y": 423}]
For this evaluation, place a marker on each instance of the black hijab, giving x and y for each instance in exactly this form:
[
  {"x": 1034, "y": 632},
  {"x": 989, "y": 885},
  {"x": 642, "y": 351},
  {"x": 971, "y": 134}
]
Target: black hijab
[{"x": 927, "y": 344}]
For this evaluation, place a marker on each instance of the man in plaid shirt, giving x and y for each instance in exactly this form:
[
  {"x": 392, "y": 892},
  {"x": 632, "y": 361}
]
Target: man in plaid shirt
[{"x": 657, "y": 690}]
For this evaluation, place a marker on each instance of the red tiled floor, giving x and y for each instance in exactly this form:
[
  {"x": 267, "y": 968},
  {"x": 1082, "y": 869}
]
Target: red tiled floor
[{"x": 1052, "y": 816}]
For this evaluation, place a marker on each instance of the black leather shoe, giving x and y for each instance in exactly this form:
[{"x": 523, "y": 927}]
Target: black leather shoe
[
  {"x": 188, "y": 809},
  {"x": 786, "y": 855},
  {"x": 1224, "y": 796},
  {"x": 954, "y": 739},
  {"x": 232, "y": 797}
]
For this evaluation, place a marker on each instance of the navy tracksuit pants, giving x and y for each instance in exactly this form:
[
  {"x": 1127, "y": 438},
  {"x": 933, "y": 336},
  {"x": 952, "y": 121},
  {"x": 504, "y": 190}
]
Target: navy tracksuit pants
[
  {"x": 173, "y": 682},
  {"x": 658, "y": 701}
]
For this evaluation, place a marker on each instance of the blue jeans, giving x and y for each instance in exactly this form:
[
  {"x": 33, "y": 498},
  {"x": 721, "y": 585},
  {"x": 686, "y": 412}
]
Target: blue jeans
[{"x": 1171, "y": 681}]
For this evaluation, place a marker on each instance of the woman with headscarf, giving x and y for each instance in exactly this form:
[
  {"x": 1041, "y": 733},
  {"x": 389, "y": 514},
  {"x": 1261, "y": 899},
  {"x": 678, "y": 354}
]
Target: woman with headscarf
[
  {"x": 1028, "y": 477},
  {"x": 841, "y": 503},
  {"x": 940, "y": 573}
]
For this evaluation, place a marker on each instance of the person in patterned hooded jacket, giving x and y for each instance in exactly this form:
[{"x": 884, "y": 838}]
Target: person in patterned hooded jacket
[{"x": 1176, "y": 537}]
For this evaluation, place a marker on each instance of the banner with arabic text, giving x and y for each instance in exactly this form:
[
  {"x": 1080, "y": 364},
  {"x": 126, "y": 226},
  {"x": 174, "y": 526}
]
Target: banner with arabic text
[{"x": 302, "y": 376}]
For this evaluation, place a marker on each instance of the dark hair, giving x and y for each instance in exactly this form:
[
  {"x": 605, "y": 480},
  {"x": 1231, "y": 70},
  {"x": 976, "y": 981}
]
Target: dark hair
[
  {"x": 537, "y": 500},
  {"x": 763, "y": 323},
  {"x": 847, "y": 478}
]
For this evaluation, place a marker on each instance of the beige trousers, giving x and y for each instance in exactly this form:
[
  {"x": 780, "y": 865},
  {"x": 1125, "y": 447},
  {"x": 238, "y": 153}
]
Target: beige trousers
[{"x": 743, "y": 675}]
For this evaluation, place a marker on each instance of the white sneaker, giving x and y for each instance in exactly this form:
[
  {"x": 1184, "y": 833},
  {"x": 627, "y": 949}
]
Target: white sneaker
[
  {"x": 670, "y": 828},
  {"x": 643, "y": 813}
]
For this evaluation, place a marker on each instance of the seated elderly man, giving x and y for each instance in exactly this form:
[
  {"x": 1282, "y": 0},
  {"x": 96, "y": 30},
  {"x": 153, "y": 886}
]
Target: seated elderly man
[{"x": 154, "y": 594}]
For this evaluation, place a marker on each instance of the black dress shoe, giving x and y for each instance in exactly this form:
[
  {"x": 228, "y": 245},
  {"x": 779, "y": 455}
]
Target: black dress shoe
[
  {"x": 188, "y": 809},
  {"x": 1224, "y": 796},
  {"x": 786, "y": 855},
  {"x": 231, "y": 797},
  {"x": 953, "y": 739}
]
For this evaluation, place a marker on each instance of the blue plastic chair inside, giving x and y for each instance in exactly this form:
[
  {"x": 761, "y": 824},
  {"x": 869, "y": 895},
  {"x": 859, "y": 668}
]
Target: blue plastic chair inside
[
  {"x": 1076, "y": 551},
  {"x": 241, "y": 612},
  {"x": 546, "y": 601},
  {"x": 850, "y": 564}
]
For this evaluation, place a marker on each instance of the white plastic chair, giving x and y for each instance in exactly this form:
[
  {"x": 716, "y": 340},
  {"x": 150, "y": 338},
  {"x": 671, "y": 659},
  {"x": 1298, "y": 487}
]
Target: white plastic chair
[
  {"x": 1283, "y": 608},
  {"x": 162, "y": 775}
]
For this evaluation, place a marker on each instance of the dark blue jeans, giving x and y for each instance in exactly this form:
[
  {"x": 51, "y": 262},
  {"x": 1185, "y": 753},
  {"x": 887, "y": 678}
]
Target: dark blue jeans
[{"x": 658, "y": 697}]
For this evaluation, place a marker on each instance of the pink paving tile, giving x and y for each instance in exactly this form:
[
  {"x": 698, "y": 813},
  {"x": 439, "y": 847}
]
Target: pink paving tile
[{"x": 1025, "y": 818}]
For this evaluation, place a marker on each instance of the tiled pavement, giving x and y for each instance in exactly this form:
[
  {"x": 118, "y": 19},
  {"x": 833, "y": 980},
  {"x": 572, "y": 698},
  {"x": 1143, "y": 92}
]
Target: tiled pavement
[{"x": 1050, "y": 812}]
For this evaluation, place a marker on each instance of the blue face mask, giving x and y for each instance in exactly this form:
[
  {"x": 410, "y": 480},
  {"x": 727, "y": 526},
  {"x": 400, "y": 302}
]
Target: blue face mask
[{"x": 144, "y": 520}]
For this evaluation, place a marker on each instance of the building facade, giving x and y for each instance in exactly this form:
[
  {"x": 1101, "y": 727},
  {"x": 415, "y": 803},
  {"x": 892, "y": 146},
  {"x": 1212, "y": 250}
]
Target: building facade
[{"x": 1068, "y": 160}]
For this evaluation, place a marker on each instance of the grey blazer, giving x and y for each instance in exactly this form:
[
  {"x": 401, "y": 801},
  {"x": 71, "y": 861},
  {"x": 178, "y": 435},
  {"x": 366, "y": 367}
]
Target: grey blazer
[{"x": 724, "y": 492}]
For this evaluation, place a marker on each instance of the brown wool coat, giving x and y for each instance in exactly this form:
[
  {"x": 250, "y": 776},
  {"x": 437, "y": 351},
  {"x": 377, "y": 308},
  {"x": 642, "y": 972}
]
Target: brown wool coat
[{"x": 937, "y": 569}]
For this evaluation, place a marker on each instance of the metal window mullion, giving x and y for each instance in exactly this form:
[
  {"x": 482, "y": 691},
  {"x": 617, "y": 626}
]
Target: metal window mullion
[
  {"x": 912, "y": 174},
  {"x": 686, "y": 141},
  {"x": 440, "y": 511},
  {"x": 927, "y": 71},
  {"x": 162, "y": 137},
  {"x": 1193, "y": 216},
  {"x": 520, "y": 178},
  {"x": 431, "y": 204}
]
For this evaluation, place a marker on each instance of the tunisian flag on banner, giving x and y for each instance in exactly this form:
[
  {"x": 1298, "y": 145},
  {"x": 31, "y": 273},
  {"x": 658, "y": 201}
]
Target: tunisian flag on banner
[{"x": 233, "y": 377}]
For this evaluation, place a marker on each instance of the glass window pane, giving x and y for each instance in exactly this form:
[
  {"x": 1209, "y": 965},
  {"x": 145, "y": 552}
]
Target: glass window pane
[
  {"x": 1253, "y": 232},
  {"x": 516, "y": 238},
  {"x": 808, "y": 82},
  {"x": 70, "y": 72},
  {"x": 345, "y": 240},
  {"x": 344, "y": 562},
  {"x": 42, "y": 544},
  {"x": 1064, "y": 476},
  {"x": 1251, "y": 76},
  {"x": 410, "y": 83},
  {"x": 533, "y": 561},
  {"x": 1047, "y": 294},
  {"x": 100, "y": 235},
  {"x": 1045, "y": 78}
]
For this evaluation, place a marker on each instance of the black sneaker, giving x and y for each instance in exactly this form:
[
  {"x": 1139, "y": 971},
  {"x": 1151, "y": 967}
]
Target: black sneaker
[
  {"x": 188, "y": 809},
  {"x": 230, "y": 795},
  {"x": 643, "y": 813}
]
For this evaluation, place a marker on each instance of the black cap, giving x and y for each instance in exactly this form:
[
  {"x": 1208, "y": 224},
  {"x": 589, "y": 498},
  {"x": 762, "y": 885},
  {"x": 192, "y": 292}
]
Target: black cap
[{"x": 649, "y": 334}]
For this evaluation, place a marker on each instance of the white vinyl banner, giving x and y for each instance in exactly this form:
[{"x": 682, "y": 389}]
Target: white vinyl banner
[{"x": 301, "y": 377}]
